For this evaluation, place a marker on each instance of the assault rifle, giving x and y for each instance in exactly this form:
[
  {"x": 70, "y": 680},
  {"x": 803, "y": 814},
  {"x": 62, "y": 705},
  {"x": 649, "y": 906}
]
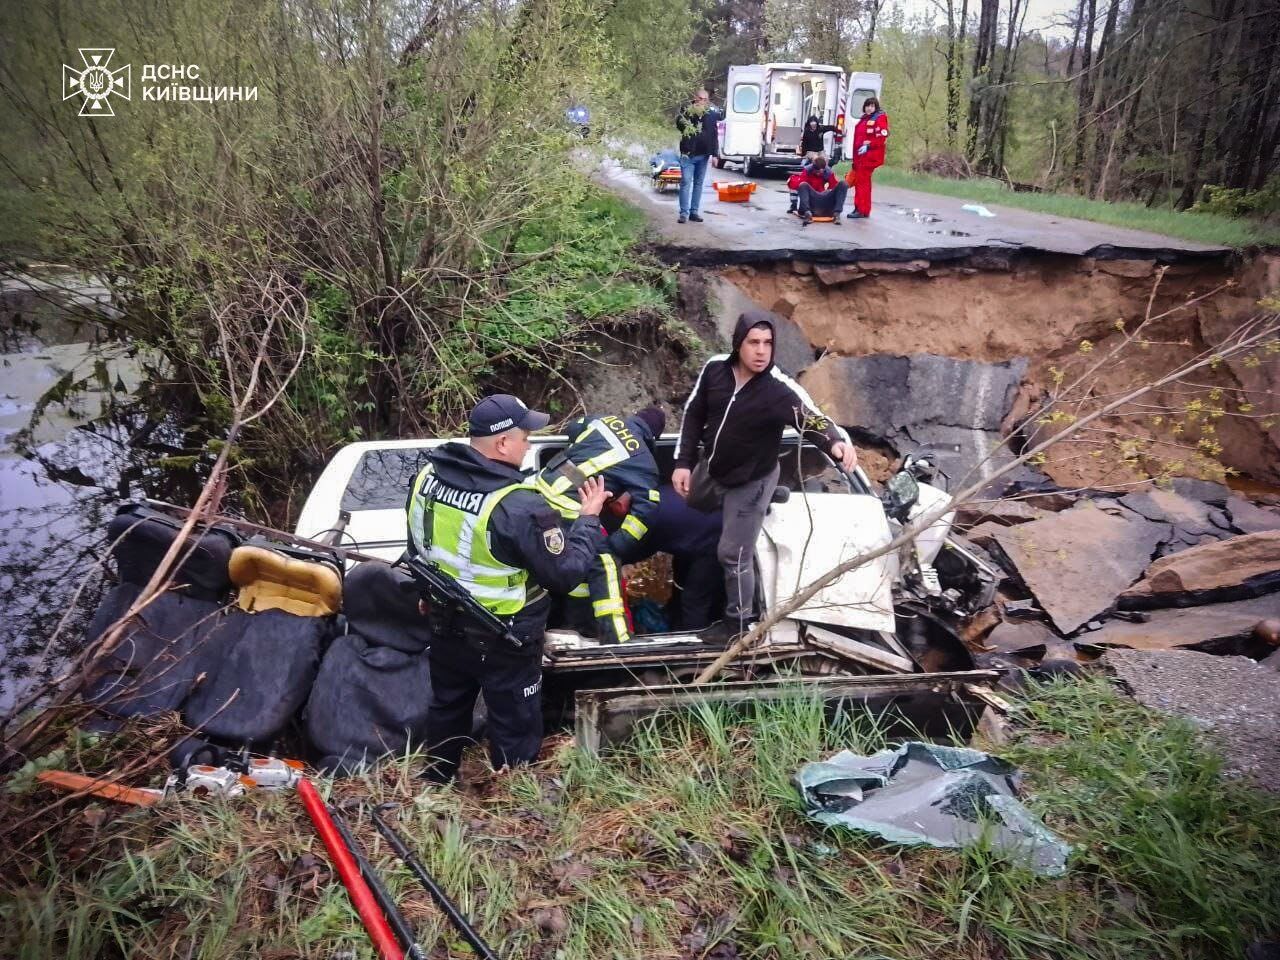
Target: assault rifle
[{"x": 442, "y": 591}]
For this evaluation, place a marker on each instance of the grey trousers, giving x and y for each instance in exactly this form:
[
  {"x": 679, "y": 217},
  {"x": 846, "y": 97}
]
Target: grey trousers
[{"x": 743, "y": 509}]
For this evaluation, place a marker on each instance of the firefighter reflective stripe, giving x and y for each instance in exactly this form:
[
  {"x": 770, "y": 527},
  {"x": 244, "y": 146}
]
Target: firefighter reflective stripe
[
  {"x": 563, "y": 504},
  {"x": 655, "y": 496},
  {"x": 634, "y": 526},
  {"x": 615, "y": 453},
  {"x": 612, "y": 609},
  {"x": 460, "y": 543},
  {"x": 581, "y": 590}
]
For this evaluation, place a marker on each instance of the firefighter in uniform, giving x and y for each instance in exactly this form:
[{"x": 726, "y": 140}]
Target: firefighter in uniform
[
  {"x": 621, "y": 451},
  {"x": 475, "y": 514}
]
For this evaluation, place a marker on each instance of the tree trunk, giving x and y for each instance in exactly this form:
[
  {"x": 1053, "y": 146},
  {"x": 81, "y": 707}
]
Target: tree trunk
[
  {"x": 1193, "y": 177},
  {"x": 1085, "y": 88},
  {"x": 982, "y": 53}
]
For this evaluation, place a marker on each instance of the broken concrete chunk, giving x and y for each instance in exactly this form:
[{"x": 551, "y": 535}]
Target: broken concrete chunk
[
  {"x": 831, "y": 276},
  {"x": 1165, "y": 506},
  {"x": 1133, "y": 269},
  {"x": 1022, "y": 637},
  {"x": 1078, "y": 561},
  {"x": 1233, "y": 569},
  {"x": 786, "y": 304},
  {"x": 953, "y": 406},
  {"x": 1006, "y": 513},
  {"x": 983, "y": 534},
  {"x": 801, "y": 266},
  {"x": 888, "y": 266},
  {"x": 1215, "y": 627},
  {"x": 1248, "y": 518},
  {"x": 1206, "y": 490}
]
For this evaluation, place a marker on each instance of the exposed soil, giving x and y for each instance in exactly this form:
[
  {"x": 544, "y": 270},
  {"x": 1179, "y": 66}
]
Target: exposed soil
[{"x": 1044, "y": 308}]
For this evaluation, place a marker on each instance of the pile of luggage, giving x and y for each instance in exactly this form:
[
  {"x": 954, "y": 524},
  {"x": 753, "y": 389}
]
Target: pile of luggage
[{"x": 259, "y": 644}]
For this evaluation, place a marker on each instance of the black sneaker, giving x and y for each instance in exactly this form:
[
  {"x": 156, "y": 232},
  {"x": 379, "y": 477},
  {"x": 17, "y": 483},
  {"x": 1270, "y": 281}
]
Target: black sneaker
[
  {"x": 806, "y": 218},
  {"x": 857, "y": 216},
  {"x": 681, "y": 219},
  {"x": 695, "y": 218}
]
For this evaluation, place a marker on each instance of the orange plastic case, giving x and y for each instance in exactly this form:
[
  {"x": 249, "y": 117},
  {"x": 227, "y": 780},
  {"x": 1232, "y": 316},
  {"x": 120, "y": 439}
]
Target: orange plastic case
[{"x": 735, "y": 192}]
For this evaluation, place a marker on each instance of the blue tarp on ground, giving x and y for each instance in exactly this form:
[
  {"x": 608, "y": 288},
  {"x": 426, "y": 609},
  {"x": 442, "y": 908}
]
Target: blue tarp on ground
[{"x": 922, "y": 793}]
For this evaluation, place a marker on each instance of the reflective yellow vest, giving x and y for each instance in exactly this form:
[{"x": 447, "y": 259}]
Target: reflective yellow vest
[{"x": 459, "y": 538}]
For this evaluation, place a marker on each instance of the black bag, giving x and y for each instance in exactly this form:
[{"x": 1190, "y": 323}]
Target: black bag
[
  {"x": 374, "y": 686},
  {"x": 153, "y": 667},
  {"x": 258, "y": 670}
]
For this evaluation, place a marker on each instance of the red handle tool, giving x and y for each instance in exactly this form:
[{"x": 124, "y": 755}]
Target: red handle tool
[{"x": 361, "y": 896}]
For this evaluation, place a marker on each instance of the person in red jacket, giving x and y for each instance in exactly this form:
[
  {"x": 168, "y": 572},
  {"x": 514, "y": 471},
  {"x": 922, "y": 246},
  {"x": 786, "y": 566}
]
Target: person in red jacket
[
  {"x": 818, "y": 190},
  {"x": 869, "y": 136}
]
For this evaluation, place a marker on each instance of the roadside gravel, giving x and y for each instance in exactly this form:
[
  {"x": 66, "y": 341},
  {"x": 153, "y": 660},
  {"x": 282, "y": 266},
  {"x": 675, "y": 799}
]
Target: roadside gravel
[{"x": 1236, "y": 701}]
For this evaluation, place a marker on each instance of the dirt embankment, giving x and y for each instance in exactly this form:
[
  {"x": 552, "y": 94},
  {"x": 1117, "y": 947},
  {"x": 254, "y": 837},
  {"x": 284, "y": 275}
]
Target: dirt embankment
[{"x": 1069, "y": 317}]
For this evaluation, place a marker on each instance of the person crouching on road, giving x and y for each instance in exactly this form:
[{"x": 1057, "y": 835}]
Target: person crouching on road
[
  {"x": 818, "y": 191},
  {"x": 620, "y": 451},
  {"x": 473, "y": 512},
  {"x": 732, "y": 434},
  {"x": 869, "y": 136}
]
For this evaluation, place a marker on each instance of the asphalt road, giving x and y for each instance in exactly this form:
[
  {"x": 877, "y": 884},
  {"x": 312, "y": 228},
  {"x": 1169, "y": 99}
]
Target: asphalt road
[{"x": 905, "y": 224}]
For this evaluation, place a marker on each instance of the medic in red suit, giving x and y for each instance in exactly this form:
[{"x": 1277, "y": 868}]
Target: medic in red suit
[{"x": 869, "y": 136}]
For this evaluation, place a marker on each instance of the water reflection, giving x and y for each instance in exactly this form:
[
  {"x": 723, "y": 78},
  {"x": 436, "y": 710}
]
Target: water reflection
[{"x": 62, "y": 477}]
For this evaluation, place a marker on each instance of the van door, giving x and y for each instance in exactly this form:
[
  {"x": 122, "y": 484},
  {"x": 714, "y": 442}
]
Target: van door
[
  {"x": 861, "y": 86},
  {"x": 744, "y": 112},
  {"x": 835, "y": 141}
]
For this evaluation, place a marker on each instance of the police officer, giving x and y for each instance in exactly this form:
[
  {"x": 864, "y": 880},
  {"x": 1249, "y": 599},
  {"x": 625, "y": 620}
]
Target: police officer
[
  {"x": 621, "y": 452},
  {"x": 474, "y": 513}
]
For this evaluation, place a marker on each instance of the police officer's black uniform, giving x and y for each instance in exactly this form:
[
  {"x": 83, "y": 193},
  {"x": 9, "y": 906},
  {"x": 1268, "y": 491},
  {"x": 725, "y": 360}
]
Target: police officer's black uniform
[{"x": 537, "y": 549}]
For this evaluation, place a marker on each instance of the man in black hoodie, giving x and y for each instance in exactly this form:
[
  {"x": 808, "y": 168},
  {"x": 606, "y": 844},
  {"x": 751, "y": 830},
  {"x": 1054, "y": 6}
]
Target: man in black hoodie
[
  {"x": 474, "y": 513},
  {"x": 736, "y": 413}
]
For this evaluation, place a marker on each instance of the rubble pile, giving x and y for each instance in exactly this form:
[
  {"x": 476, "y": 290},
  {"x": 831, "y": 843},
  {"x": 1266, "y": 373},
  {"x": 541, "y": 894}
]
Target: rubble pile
[{"x": 1196, "y": 567}]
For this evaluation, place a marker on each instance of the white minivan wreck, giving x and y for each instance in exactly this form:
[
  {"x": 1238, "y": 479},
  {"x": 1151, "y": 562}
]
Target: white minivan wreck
[{"x": 883, "y": 616}]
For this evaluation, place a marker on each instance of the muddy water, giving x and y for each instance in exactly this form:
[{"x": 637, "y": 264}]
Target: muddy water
[{"x": 65, "y": 465}]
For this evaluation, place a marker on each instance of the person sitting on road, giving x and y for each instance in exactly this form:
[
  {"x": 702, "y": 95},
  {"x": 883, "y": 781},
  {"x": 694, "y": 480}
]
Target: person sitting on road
[
  {"x": 819, "y": 191},
  {"x": 811, "y": 142},
  {"x": 793, "y": 182}
]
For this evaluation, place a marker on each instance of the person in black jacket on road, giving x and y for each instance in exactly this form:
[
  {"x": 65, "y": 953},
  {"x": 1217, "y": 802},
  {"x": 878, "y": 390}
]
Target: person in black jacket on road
[
  {"x": 699, "y": 142},
  {"x": 811, "y": 143},
  {"x": 732, "y": 433}
]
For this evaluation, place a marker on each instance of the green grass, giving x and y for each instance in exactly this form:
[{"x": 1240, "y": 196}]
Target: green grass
[
  {"x": 1206, "y": 228},
  {"x": 690, "y": 843}
]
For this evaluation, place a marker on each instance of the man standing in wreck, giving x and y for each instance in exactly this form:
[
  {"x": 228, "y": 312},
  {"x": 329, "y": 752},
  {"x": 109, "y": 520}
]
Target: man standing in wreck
[{"x": 727, "y": 456}]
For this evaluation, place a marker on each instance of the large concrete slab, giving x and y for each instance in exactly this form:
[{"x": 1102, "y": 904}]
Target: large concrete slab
[{"x": 905, "y": 224}]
